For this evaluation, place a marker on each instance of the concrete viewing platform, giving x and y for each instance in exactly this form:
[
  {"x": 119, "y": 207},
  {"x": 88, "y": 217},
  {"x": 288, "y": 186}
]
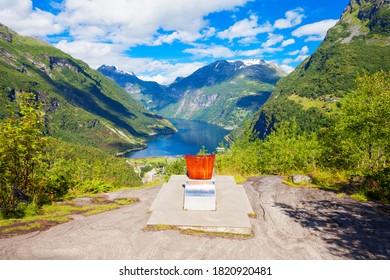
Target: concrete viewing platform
[{"x": 231, "y": 214}]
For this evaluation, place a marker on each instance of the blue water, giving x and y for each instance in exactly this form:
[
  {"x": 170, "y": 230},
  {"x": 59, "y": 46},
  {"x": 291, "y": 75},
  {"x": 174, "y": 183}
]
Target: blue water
[{"x": 190, "y": 138}]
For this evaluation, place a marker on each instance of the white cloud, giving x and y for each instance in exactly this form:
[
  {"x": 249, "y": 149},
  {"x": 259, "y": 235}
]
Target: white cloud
[
  {"x": 88, "y": 32},
  {"x": 170, "y": 72},
  {"x": 286, "y": 68},
  {"x": 119, "y": 21},
  {"x": 20, "y": 16},
  {"x": 248, "y": 41},
  {"x": 272, "y": 40},
  {"x": 245, "y": 28},
  {"x": 136, "y": 22},
  {"x": 222, "y": 52},
  {"x": 250, "y": 53},
  {"x": 314, "y": 31},
  {"x": 102, "y": 31},
  {"x": 214, "y": 51},
  {"x": 97, "y": 54},
  {"x": 208, "y": 32},
  {"x": 271, "y": 50},
  {"x": 288, "y": 60},
  {"x": 293, "y": 18},
  {"x": 86, "y": 50},
  {"x": 176, "y": 36},
  {"x": 302, "y": 51},
  {"x": 287, "y": 42},
  {"x": 301, "y": 54}
]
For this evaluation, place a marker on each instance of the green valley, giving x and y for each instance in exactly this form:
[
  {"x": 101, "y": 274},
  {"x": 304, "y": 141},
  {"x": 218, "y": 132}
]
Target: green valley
[
  {"x": 223, "y": 93},
  {"x": 82, "y": 106}
]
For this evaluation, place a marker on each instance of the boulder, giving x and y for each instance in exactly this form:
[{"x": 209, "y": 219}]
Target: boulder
[
  {"x": 298, "y": 179},
  {"x": 149, "y": 176}
]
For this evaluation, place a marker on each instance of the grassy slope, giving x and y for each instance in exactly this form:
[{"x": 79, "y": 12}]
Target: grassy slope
[
  {"x": 83, "y": 105},
  {"x": 354, "y": 46}
]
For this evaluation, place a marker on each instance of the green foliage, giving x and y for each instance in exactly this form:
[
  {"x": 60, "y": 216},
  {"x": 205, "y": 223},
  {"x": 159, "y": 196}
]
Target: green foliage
[
  {"x": 76, "y": 169},
  {"x": 283, "y": 109},
  {"x": 366, "y": 119},
  {"x": 203, "y": 151},
  {"x": 286, "y": 150},
  {"x": 93, "y": 186},
  {"x": 329, "y": 179},
  {"x": 377, "y": 184},
  {"x": 35, "y": 170},
  {"x": 359, "y": 139},
  {"x": 175, "y": 166},
  {"x": 21, "y": 156},
  {"x": 243, "y": 157},
  {"x": 380, "y": 23},
  {"x": 283, "y": 151}
]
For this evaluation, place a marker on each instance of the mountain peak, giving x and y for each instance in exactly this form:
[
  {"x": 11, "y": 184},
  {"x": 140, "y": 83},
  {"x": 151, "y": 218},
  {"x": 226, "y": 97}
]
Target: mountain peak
[
  {"x": 249, "y": 62},
  {"x": 107, "y": 68}
]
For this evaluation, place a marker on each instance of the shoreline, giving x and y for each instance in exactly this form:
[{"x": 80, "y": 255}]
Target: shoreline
[{"x": 122, "y": 154}]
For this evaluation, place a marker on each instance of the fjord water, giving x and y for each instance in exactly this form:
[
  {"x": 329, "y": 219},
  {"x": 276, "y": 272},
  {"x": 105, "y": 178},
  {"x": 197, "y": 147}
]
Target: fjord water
[{"x": 190, "y": 138}]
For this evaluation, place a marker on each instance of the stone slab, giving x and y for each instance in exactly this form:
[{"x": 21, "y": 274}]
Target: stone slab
[{"x": 231, "y": 214}]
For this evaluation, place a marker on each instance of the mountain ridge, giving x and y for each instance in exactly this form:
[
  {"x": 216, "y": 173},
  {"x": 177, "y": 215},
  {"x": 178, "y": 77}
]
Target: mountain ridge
[
  {"x": 82, "y": 106},
  {"x": 223, "y": 93},
  {"x": 358, "y": 43}
]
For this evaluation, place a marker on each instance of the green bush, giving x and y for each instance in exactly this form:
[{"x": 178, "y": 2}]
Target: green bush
[
  {"x": 283, "y": 151},
  {"x": 175, "y": 166},
  {"x": 21, "y": 156},
  {"x": 377, "y": 184},
  {"x": 94, "y": 186}
]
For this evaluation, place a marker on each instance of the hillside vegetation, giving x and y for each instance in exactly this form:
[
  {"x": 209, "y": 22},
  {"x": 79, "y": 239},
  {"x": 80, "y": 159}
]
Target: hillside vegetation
[
  {"x": 330, "y": 117},
  {"x": 82, "y": 106},
  {"x": 350, "y": 156},
  {"x": 357, "y": 44},
  {"x": 36, "y": 169}
]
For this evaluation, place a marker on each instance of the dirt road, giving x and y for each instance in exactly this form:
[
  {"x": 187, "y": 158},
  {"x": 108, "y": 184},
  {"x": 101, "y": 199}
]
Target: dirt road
[{"x": 291, "y": 223}]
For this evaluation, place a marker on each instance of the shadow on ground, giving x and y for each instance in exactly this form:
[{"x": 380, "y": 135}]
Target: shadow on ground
[{"x": 351, "y": 229}]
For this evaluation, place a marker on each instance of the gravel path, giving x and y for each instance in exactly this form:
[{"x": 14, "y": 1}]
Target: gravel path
[{"x": 291, "y": 223}]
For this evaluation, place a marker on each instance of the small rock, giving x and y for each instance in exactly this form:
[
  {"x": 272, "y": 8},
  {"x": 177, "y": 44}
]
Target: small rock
[
  {"x": 298, "y": 178},
  {"x": 149, "y": 176}
]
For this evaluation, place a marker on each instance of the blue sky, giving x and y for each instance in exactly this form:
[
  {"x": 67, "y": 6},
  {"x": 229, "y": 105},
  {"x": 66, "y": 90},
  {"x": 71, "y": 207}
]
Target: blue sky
[{"x": 163, "y": 39}]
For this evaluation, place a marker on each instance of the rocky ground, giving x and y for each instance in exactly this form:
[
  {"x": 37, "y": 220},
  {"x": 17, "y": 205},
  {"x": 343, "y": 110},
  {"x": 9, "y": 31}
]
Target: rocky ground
[{"x": 291, "y": 223}]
